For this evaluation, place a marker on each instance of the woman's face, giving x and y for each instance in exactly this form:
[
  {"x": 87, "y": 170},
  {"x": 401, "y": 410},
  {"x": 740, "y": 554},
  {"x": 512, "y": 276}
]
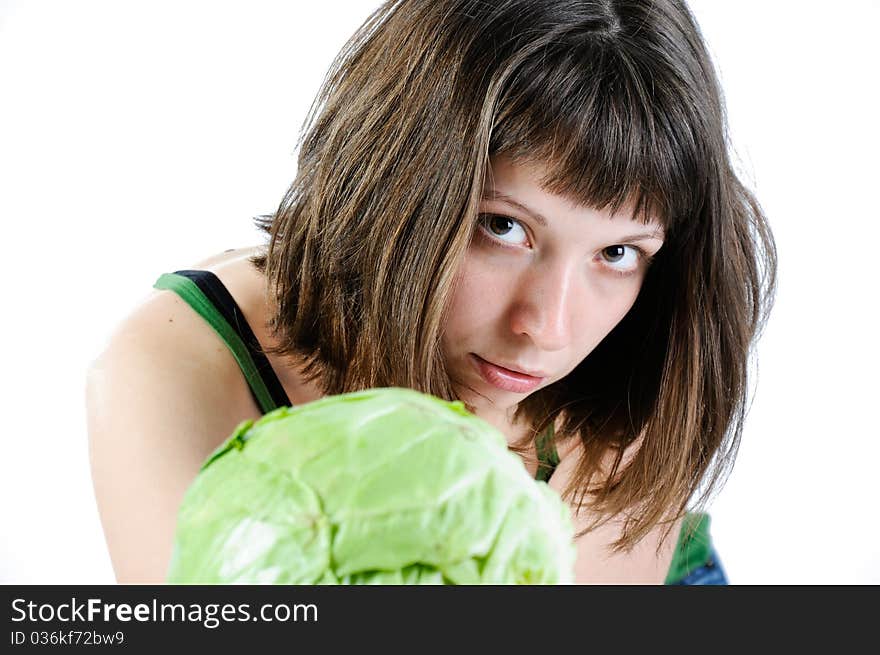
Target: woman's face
[{"x": 543, "y": 282}]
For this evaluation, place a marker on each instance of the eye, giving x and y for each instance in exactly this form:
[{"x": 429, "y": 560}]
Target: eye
[
  {"x": 622, "y": 259},
  {"x": 504, "y": 229}
]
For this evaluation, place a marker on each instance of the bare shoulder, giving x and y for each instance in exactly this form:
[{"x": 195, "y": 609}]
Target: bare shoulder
[
  {"x": 166, "y": 328},
  {"x": 163, "y": 393},
  {"x": 238, "y": 275},
  {"x": 231, "y": 259},
  {"x": 596, "y": 563}
]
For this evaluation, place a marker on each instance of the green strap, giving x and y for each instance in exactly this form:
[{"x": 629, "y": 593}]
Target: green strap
[
  {"x": 548, "y": 458},
  {"x": 190, "y": 292},
  {"x": 693, "y": 549}
]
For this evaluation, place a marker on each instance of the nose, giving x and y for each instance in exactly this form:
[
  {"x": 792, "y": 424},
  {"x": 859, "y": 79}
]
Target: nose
[{"x": 544, "y": 305}]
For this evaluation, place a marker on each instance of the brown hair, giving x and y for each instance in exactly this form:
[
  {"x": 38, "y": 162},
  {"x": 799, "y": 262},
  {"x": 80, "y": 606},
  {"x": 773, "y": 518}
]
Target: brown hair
[{"x": 614, "y": 100}]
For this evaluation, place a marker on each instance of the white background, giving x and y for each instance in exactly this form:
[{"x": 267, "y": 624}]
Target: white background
[{"x": 138, "y": 138}]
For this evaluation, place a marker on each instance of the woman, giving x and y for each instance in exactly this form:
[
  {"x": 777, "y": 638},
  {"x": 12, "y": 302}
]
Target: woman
[{"x": 528, "y": 206}]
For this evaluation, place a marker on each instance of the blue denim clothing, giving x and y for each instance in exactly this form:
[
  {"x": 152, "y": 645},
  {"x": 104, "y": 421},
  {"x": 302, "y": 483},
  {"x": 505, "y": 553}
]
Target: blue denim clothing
[{"x": 711, "y": 573}]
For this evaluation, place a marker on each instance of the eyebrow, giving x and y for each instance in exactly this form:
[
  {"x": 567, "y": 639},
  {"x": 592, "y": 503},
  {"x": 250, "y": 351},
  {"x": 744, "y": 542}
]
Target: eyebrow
[{"x": 640, "y": 236}]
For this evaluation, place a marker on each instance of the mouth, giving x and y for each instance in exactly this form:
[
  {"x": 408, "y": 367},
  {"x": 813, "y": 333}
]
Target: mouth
[{"x": 507, "y": 379}]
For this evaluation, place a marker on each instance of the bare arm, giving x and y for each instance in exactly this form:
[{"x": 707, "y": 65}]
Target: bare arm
[{"x": 159, "y": 399}]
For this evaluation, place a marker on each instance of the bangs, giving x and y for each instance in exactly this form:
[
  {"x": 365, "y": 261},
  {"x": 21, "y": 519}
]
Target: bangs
[{"x": 606, "y": 129}]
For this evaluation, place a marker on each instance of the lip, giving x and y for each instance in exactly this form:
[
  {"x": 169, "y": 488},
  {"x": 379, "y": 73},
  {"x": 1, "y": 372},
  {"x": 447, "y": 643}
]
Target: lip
[{"x": 505, "y": 378}]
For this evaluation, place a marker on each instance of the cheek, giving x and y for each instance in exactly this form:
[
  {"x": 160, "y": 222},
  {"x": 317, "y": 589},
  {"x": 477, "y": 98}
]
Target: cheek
[
  {"x": 602, "y": 316},
  {"x": 622, "y": 305},
  {"x": 476, "y": 299}
]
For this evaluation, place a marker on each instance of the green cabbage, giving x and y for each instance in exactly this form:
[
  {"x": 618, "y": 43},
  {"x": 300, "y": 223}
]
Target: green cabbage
[{"x": 385, "y": 486}]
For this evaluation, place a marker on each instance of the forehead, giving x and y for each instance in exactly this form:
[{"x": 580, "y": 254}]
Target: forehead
[{"x": 521, "y": 183}]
